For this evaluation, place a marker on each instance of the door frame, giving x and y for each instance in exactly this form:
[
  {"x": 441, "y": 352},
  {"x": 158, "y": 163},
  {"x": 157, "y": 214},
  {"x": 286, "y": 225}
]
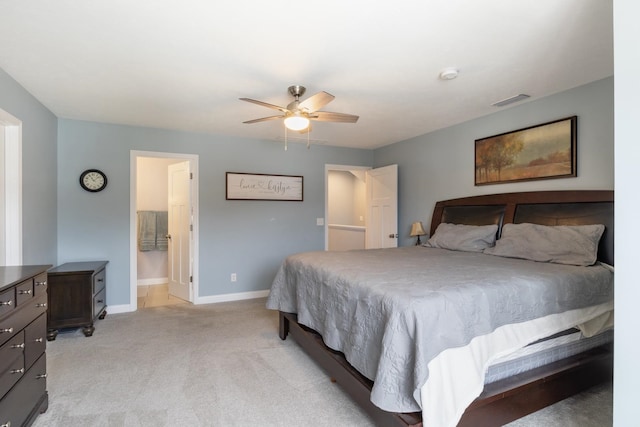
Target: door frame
[
  {"x": 133, "y": 247},
  {"x": 327, "y": 168},
  {"x": 12, "y": 170}
]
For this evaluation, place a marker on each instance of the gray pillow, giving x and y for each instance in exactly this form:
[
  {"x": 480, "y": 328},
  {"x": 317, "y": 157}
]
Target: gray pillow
[
  {"x": 561, "y": 244},
  {"x": 460, "y": 237}
]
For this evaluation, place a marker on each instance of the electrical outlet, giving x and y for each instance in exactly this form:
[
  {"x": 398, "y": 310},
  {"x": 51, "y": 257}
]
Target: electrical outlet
[
  {"x": 234, "y": 277},
  {"x": 319, "y": 221}
]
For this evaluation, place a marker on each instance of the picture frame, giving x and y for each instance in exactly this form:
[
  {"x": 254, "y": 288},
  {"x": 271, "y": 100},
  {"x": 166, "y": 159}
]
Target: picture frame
[
  {"x": 257, "y": 186},
  {"x": 544, "y": 151}
]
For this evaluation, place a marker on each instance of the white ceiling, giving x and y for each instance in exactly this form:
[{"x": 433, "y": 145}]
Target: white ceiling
[{"x": 183, "y": 64}]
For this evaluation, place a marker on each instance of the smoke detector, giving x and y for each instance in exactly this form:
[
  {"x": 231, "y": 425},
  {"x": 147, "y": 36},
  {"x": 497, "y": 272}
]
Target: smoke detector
[{"x": 448, "y": 74}]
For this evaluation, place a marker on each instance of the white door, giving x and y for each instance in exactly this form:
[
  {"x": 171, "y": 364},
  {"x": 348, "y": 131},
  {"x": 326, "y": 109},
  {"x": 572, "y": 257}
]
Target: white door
[
  {"x": 382, "y": 207},
  {"x": 180, "y": 236}
]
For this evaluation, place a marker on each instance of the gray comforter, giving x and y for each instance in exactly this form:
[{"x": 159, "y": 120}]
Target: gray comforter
[{"x": 391, "y": 311}]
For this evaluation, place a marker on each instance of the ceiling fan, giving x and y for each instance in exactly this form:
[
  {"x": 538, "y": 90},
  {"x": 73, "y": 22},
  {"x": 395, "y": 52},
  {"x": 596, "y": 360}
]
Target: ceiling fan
[{"x": 297, "y": 115}]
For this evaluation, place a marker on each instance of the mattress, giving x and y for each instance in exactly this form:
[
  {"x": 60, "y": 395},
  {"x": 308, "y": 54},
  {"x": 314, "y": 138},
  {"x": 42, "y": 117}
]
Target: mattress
[{"x": 544, "y": 352}]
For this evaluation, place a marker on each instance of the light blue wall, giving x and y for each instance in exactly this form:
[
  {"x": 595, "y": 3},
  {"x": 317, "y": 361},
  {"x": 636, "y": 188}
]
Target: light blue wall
[
  {"x": 39, "y": 191},
  {"x": 250, "y": 238},
  {"x": 440, "y": 165}
]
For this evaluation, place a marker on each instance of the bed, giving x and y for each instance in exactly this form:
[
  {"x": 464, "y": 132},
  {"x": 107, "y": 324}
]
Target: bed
[{"x": 409, "y": 332}]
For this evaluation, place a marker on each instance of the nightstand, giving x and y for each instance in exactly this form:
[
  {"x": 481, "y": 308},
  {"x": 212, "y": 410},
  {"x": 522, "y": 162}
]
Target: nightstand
[{"x": 77, "y": 296}]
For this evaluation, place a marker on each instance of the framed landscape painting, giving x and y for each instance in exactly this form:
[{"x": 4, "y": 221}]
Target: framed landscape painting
[{"x": 543, "y": 151}]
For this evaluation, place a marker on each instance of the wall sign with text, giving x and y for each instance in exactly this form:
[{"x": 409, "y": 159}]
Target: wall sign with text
[{"x": 248, "y": 186}]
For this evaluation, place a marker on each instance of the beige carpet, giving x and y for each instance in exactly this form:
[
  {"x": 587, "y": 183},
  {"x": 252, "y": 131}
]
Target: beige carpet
[{"x": 217, "y": 365}]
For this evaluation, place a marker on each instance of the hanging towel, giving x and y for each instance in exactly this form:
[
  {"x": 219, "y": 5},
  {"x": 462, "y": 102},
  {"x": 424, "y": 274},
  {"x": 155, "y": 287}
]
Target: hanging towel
[
  {"x": 162, "y": 229},
  {"x": 153, "y": 227},
  {"x": 146, "y": 231}
]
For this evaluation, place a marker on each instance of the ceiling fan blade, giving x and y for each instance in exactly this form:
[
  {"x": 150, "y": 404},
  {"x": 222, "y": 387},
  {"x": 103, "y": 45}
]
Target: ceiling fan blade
[
  {"x": 264, "y": 104},
  {"x": 327, "y": 116},
  {"x": 263, "y": 119},
  {"x": 316, "y": 102}
]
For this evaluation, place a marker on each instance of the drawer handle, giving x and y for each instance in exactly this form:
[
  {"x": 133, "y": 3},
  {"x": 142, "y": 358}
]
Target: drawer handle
[
  {"x": 7, "y": 330},
  {"x": 10, "y": 302},
  {"x": 41, "y": 283},
  {"x": 41, "y": 304},
  {"x": 25, "y": 292},
  {"x": 38, "y": 340},
  {"x": 100, "y": 301},
  {"x": 41, "y": 376},
  {"x": 17, "y": 371},
  {"x": 18, "y": 345}
]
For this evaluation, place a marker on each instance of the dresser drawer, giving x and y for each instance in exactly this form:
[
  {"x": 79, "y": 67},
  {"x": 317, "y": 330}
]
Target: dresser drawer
[
  {"x": 35, "y": 341},
  {"x": 99, "y": 281},
  {"x": 24, "y": 292},
  {"x": 11, "y": 325},
  {"x": 11, "y": 350},
  {"x": 40, "y": 285},
  {"x": 99, "y": 302},
  {"x": 27, "y": 395},
  {"x": 7, "y": 301},
  {"x": 11, "y": 375}
]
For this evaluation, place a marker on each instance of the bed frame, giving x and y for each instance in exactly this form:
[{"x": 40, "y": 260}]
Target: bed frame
[{"x": 514, "y": 397}]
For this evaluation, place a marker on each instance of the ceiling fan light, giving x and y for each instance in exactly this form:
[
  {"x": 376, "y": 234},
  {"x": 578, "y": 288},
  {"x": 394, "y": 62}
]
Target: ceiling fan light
[{"x": 296, "y": 122}]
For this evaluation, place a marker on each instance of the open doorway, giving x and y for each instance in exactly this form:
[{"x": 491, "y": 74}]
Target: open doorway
[
  {"x": 345, "y": 208},
  {"x": 164, "y": 222},
  {"x": 361, "y": 207}
]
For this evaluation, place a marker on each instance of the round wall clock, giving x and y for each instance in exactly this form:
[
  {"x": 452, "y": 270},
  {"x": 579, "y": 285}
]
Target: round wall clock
[{"x": 93, "y": 180}]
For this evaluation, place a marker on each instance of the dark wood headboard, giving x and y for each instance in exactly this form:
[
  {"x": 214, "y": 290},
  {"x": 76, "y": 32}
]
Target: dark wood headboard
[{"x": 573, "y": 207}]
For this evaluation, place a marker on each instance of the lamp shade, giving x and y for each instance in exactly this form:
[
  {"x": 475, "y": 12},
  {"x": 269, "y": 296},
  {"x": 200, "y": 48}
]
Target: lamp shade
[
  {"x": 417, "y": 230},
  {"x": 296, "y": 122}
]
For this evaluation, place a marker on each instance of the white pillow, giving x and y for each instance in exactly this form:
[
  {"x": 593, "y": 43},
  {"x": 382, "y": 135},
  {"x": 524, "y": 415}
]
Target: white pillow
[
  {"x": 561, "y": 244},
  {"x": 460, "y": 237}
]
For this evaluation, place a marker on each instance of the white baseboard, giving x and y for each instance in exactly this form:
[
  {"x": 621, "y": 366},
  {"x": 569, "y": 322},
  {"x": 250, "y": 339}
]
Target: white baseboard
[
  {"x": 231, "y": 297},
  {"x": 122, "y": 308},
  {"x": 212, "y": 299},
  {"x": 153, "y": 281}
]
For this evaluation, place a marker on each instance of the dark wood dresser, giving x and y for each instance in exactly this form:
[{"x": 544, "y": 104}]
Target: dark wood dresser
[
  {"x": 77, "y": 296},
  {"x": 23, "y": 328}
]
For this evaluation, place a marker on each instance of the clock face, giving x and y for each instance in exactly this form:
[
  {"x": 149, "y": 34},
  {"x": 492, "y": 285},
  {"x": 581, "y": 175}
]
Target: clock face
[{"x": 93, "y": 180}]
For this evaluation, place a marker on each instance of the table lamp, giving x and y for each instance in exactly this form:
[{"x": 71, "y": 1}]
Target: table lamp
[{"x": 417, "y": 231}]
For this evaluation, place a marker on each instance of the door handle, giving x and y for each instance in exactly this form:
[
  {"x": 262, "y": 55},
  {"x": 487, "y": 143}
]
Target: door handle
[
  {"x": 168, "y": 236},
  {"x": 393, "y": 236}
]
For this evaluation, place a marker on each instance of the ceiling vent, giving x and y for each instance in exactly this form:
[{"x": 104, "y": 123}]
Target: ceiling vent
[{"x": 511, "y": 100}]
